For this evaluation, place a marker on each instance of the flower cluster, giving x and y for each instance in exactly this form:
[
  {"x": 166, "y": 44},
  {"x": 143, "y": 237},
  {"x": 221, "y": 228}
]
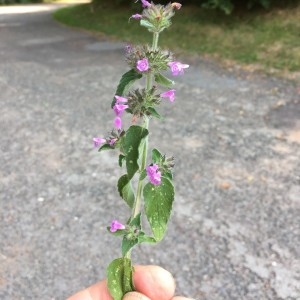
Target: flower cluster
[
  {"x": 144, "y": 59},
  {"x": 156, "y": 18}
]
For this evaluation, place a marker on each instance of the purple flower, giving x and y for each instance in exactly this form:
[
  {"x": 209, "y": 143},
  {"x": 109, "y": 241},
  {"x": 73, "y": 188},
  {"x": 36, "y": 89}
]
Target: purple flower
[
  {"x": 128, "y": 48},
  {"x": 118, "y": 122},
  {"x": 169, "y": 94},
  {"x": 119, "y": 108},
  {"x": 136, "y": 16},
  {"x": 116, "y": 225},
  {"x": 145, "y": 3},
  {"x": 177, "y": 67},
  {"x": 120, "y": 100},
  {"x": 153, "y": 174},
  {"x": 98, "y": 141},
  {"x": 142, "y": 65},
  {"x": 112, "y": 141}
]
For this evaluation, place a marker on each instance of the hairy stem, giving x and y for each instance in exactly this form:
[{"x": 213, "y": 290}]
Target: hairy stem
[{"x": 149, "y": 81}]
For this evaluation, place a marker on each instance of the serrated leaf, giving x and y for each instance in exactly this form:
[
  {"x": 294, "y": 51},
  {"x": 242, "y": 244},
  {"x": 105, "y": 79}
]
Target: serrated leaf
[
  {"x": 153, "y": 112},
  {"x": 156, "y": 155},
  {"x": 158, "y": 206},
  {"x": 164, "y": 81},
  {"x": 119, "y": 277},
  {"x": 125, "y": 190},
  {"x": 126, "y": 82},
  {"x": 132, "y": 139}
]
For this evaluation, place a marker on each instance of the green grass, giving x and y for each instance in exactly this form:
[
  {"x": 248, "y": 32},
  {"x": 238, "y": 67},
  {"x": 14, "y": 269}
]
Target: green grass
[{"x": 265, "y": 40}]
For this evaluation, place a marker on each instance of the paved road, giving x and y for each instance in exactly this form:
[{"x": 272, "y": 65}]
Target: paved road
[{"x": 236, "y": 137}]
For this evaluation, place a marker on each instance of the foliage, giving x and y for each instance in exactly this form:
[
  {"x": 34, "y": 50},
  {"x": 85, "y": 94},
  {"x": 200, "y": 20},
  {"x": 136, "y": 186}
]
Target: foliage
[
  {"x": 227, "y": 6},
  {"x": 268, "y": 41},
  {"x": 6, "y": 2}
]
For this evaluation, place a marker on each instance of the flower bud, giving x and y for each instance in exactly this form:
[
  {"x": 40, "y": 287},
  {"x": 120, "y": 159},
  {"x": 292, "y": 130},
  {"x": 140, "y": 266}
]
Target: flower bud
[{"x": 176, "y": 5}]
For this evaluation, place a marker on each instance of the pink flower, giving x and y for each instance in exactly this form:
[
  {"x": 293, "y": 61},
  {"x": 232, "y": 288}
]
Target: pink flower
[
  {"x": 145, "y": 3},
  {"x": 112, "y": 141},
  {"x": 120, "y": 100},
  {"x": 176, "y": 5},
  {"x": 116, "y": 225},
  {"x": 136, "y": 16},
  {"x": 169, "y": 94},
  {"x": 98, "y": 141},
  {"x": 119, "y": 108},
  {"x": 177, "y": 67},
  {"x": 142, "y": 65},
  {"x": 153, "y": 174},
  {"x": 128, "y": 48},
  {"x": 118, "y": 122}
]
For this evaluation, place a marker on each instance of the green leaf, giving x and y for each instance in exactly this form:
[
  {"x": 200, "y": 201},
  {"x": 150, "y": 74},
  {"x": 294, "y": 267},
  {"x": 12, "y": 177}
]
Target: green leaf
[
  {"x": 156, "y": 155},
  {"x": 136, "y": 221},
  {"x": 153, "y": 112},
  {"x": 142, "y": 238},
  {"x": 168, "y": 175},
  {"x": 158, "y": 206},
  {"x": 116, "y": 233},
  {"x": 121, "y": 158},
  {"x": 128, "y": 244},
  {"x": 164, "y": 81},
  {"x": 119, "y": 277},
  {"x": 131, "y": 239},
  {"x": 105, "y": 147},
  {"x": 147, "y": 24},
  {"x": 132, "y": 139},
  {"x": 125, "y": 190},
  {"x": 126, "y": 82}
]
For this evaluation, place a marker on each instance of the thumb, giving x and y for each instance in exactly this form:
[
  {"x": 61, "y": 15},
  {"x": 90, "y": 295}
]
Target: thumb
[{"x": 135, "y": 296}]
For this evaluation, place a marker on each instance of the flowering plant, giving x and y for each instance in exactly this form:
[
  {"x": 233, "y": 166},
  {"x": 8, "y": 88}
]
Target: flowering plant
[{"x": 154, "y": 180}]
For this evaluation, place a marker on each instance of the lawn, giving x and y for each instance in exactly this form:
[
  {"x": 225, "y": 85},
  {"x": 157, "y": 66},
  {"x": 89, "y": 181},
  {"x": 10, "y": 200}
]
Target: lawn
[{"x": 266, "y": 40}]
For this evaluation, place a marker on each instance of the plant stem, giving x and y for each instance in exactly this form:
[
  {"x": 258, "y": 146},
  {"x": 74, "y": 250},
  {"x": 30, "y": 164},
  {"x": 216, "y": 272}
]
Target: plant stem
[
  {"x": 155, "y": 40},
  {"x": 149, "y": 79}
]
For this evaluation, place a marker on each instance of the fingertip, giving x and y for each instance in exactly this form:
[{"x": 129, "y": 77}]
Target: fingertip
[
  {"x": 94, "y": 292},
  {"x": 135, "y": 296},
  {"x": 154, "y": 282}
]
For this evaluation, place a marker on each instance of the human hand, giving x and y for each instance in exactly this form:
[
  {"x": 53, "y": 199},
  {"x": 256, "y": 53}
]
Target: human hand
[{"x": 151, "y": 283}]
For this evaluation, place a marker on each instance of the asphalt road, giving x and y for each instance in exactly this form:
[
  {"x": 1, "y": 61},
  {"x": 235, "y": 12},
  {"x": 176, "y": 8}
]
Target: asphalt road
[{"x": 235, "y": 230}]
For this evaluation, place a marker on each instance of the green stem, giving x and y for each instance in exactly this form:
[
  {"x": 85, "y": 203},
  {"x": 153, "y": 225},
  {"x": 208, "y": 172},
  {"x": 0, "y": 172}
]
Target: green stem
[
  {"x": 155, "y": 40},
  {"x": 149, "y": 81},
  {"x": 137, "y": 204}
]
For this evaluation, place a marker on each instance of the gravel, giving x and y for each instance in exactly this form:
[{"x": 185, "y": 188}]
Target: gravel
[{"x": 235, "y": 229}]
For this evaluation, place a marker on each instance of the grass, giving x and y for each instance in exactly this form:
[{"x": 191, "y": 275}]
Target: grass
[{"x": 264, "y": 40}]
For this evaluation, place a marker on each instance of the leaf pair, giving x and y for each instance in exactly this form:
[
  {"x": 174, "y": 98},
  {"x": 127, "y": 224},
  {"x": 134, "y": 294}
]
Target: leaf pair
[{"x": 131, "y": 142}]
